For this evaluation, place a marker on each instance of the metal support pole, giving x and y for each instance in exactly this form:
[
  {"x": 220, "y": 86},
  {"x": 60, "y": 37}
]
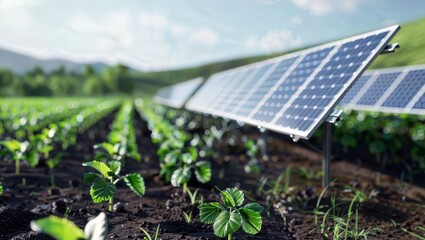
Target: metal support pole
[
  {"x": 264, "y": 144},
  {"x": 326, "y": 164}
]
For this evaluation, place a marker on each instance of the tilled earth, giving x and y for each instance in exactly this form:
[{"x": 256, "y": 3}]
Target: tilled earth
[{"x": 391, "y": 205}]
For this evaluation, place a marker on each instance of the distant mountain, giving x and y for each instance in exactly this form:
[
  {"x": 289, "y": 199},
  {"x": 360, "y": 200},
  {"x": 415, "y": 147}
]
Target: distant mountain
[{"x": 20, "y": 63}]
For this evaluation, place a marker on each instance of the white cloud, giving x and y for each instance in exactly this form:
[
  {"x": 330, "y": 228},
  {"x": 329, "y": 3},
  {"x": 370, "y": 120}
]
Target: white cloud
[
  {"x": 323, "y": 7},
  {"x": 205, "y": 36},
  {"x": 274, "y": 40},
  {"x": 268, "y": 2},
  {"x": 298, "y": 21}
]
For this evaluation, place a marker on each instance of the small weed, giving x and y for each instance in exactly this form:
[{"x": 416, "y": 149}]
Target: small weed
[{"x": 148, "y": 236}]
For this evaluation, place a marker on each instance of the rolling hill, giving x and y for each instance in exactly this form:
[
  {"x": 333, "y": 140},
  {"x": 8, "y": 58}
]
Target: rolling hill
[
  {"x": 411, "y": 38},
  {"x": 20, "y": 63}
]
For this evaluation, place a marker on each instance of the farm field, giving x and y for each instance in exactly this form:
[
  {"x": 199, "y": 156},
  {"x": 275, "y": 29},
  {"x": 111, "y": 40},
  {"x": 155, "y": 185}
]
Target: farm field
[{"x": 171, "y": 162}]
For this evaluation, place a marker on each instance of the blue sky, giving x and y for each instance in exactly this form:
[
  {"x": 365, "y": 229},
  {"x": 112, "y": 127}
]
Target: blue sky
[{"x": 153, "y": 35}]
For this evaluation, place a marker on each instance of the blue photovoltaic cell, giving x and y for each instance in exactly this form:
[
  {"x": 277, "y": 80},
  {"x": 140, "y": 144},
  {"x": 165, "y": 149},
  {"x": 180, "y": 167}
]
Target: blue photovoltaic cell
[
  {"x": 406, "y": 89},
  {"x": 229, "y": 83},
  {"x": 265, "y": 87},
  {"x": 420, "y": 104},
  {"x": 378, "y": 88},
  {"x": 209, "y": 90},
  {"x": 329, "y": 83},
  {"x": 246, "y": 87},
  {"x": 228, "y": 97},
  {"x": 284, "y": 92},
  {"x": 176, "y": 95},
  {"x": 354, "y": 90}
]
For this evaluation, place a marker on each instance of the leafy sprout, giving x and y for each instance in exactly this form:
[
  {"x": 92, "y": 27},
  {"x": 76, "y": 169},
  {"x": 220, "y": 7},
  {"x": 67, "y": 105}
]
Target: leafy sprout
[
  {"x": 230, "y": 216},
  {"x": 104, "y": 182}
]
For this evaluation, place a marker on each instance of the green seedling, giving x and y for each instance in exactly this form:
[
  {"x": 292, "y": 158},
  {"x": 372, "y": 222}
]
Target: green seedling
[
  {"x": 148, "y": 236},
  {"x": 228, "y": 218},
  {"x": 188, "y": 217},
  {"x": 192, "y": 196},
  {"x": 421, "y": 237},
  {"x": 63, "y": 229},
  {"x": 177, "y": 167},
  {"x": 103, "y": 186},
  {"x": 308, "y": 173},
  {"x": 1, "y": 189},
  {"x": 19, "y": 151}
]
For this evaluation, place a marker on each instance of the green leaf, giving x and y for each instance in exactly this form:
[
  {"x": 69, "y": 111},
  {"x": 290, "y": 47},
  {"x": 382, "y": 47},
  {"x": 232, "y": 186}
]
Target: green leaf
[
  {"x": 115, "y": 167},
  {"x": 1, "y": 189},
  {"x": 99, "y": 166},
  {"x": 180, "y": 176},
  {"x": 227, "y": 223},
  {"x": 203, "y": 171},
  {"x": 90, "y": 177},
  {"x": 32, "y": 158},
  {"x": 136, "y": 183},
  {"x": 186, "y": 158},
  {"x": 12, "y": 145},
  {"x": 101, "y": 190},
  {"x": 251, "y": 220},
  {"x": 209, "y": 212},
  {"x": 105, "y": 147},
  {"x": 58, "y": 228},
  {"x": 255, "y": 207},
  {"x": 232, "y": 197}
]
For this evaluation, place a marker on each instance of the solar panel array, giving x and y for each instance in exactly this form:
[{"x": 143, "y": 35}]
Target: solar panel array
[
  {"x": 292, "y": 94},
  {"x": 394, "y": 90},
  {"x": 176, "y": 95}
]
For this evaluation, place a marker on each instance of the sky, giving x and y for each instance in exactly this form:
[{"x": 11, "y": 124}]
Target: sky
[{"x": 169, "y": 34}]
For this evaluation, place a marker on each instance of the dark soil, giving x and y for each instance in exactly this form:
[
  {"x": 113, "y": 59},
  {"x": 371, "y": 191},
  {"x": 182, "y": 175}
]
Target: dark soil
[{"x": 395, "y": 205}]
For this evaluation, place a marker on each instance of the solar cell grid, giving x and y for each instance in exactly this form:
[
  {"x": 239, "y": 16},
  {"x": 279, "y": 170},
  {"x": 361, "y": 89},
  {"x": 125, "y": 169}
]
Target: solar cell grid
[
  {"x": 301, "y": 90},
  {"x": 379, "y": 86},
  {"x": 247, "y": 105},
  {"x": 176, "y": 95},
  {"x": 394, "y": 90}
]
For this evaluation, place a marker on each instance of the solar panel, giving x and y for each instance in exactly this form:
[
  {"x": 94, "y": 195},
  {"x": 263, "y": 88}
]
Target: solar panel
[
  {"x": 394, "y": 90},
  {"x": 176, "y": 95},
  {"x": 294, "y": 94}
]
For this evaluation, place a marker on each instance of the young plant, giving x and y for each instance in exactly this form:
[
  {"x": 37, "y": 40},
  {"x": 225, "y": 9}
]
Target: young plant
[
  {"x": 103, "y": 186},
  {"x": 63, "y": 229},
  {"x": 192, "y": 196},
  {"x": 188, "y": 217},
  {"x": 19, "y": 151},
  {"x": 1, "y": 189},
  {"x": 228, "y": 218},
  {"x": 148, "y": 236},
  {"x": 177, "y": 167}
]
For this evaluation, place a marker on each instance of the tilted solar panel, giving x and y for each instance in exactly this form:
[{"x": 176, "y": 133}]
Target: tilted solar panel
[
  {"x": 298, "y": 91},
  {"x": 393, "y": 90},
  {"x": 176, "y": 95}
]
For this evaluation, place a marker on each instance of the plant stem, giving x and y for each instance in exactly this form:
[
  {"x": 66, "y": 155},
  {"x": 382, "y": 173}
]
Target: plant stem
[
  {"x": 229, "y": 237},
  {"x": 184, "y": 187},
  {"x": 17, "y": 166},
  {"x": 111, "y": 202}
]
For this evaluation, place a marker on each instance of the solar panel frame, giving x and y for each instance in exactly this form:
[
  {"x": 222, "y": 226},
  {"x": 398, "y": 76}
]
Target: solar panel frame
[
  {"x": 190, "y": 87},
  {"x": 378, "y": 107},
  {"x": 391, "y": 31}
]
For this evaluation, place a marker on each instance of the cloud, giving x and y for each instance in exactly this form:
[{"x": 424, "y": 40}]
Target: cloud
[
  {"x": 274, "y": 40},
  {"x": 323, "y": 7},
  {"x": 298, "y": 21},
  {"x": 268, "y": 2},
  {"x": 205, "y": 36}
]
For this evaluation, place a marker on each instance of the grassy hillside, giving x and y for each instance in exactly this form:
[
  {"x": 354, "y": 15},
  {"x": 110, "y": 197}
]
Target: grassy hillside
[{"x": 411, "y": 38}]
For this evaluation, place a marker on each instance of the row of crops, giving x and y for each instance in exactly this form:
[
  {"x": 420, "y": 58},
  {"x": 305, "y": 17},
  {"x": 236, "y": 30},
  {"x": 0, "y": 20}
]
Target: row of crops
[{"x": 42, "y": 129}]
